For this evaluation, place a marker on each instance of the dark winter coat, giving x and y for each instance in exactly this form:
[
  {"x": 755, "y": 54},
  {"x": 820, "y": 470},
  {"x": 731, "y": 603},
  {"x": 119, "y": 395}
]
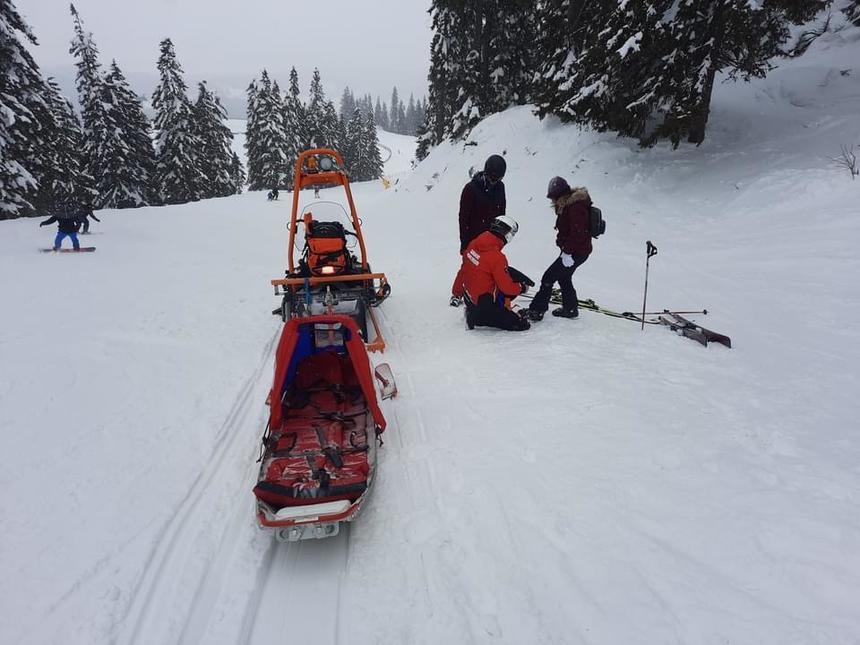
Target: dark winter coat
[
  {"x": 572, "y": 214},
  {"x": 65, "y": 223},
  {"x": 480, "y": 203},
  {"x": 484, "y": 270},
  {"x": 84, "y": 212}
]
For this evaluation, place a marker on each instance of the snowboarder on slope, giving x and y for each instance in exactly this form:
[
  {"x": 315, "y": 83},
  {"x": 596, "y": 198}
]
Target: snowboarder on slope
[
  {"x": 85, "y": 212},
  {"x": 484, "y": 282},
  {"x": 273, "y": 194},
  {"x": 572, "y": 207},
  {"x": 481, "y": 201},
  {"x": 67, "y": 226}
]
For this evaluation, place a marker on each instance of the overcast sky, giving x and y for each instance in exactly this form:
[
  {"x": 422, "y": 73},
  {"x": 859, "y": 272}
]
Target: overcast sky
[{"x": 370, "y": 45}]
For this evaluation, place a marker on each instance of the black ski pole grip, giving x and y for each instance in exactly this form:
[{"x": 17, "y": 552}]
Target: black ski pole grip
[{"x": 650, "y": 249}]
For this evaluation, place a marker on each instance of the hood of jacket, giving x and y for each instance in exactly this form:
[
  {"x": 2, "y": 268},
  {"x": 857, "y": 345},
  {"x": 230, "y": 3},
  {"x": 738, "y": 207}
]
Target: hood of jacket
[{"x": 577, "y": 194}]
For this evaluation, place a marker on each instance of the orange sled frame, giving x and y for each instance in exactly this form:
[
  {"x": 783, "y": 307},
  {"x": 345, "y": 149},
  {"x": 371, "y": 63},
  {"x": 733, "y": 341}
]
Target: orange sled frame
[{"x": 373, "y": 286}]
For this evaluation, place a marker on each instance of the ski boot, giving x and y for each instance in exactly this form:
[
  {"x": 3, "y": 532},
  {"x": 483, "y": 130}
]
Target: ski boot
[
  {"x": 531, "y": 314},
  {"x": 561, "y": 312},
  {"x": 470, "y": 317}
]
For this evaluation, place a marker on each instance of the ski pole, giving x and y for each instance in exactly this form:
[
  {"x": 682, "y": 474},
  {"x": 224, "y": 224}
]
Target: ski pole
[{"x": 650, "y": 251}]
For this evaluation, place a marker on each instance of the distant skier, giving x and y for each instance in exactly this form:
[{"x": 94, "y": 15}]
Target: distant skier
[
  {"x": 484, "y": 282},
  {"x": 67, "y": 226},
  {"x": 481, "y": 201},
  {"x": 572, "y": 207},
  {"x": 273, "y": 194},
  {"x": 85, "y": 212}
]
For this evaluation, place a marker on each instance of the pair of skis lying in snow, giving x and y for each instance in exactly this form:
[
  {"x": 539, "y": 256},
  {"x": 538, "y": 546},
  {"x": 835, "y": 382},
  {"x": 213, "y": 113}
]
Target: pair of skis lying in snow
[{"x": 671, "y": 319}]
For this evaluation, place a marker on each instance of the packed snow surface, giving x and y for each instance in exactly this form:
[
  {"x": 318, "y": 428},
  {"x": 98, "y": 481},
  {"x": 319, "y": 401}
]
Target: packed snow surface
[{"x": 582, "y": 482}]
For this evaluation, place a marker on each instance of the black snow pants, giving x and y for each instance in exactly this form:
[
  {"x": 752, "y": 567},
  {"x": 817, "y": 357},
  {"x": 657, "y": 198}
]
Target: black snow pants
[
  {"x": 557, "y": 272},
  {"x": 489, "y": 313}
]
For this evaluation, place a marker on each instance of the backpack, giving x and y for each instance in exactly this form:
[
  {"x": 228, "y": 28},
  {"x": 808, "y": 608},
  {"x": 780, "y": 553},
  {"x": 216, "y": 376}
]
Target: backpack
[
  {"x": 596, "y": 225},
  {"x": 325, "y": 249}
]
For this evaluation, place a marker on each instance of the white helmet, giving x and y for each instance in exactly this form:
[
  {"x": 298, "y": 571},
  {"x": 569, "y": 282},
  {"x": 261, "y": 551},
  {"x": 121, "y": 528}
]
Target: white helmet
[{"x": 504, "y": 227}]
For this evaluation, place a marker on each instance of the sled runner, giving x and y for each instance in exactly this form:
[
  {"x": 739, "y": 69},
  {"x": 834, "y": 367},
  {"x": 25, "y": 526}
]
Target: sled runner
[
  {"x": 319, "y": 450},
  {"x": 327, "y": 277}
]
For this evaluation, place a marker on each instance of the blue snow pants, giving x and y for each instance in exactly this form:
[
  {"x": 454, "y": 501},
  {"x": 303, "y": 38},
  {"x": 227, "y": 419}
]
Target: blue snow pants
[{"x": 61, "y": 236}]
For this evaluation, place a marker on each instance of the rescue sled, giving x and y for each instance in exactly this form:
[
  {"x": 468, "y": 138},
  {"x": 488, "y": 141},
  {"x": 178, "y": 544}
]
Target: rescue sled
[
  {"x": 328, "y": 277},
  {"x": 318, "y": 459}
]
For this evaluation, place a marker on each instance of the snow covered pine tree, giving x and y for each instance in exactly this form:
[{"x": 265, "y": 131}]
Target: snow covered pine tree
[{"x": 178, "y": 175}]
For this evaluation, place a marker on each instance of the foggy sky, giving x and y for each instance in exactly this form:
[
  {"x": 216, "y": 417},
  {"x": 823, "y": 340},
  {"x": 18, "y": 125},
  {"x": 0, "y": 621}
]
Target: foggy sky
[{"x": 370, "y": 45}]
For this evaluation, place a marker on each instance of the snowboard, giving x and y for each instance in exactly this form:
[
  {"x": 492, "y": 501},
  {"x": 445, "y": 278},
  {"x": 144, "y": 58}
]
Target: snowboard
[{"x": 83, "y": 249}]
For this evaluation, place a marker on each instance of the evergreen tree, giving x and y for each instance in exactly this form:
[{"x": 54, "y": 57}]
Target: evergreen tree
[
  {"x": 611, "y": 81},
  {"x": 253, "y": 150},
  {"x": 646, "y": 68},
  {"x": 63, "y": 181},
  {"x": 124, "y": 179},
  {"x": 22, "y": 109},
  {"x": 394, "y": 117},
  {"x": 380, "y": 115},
  {"x": 350, "y": 149},
  {"x": 347, "y": 103},
  {"x": 116, "y": 142},
  {"x": 410, "y": 117},
  {"x": 424, "y": 137},
  {"x": 852, "y": 11},
  {"x": 475, "y": 95},
  {"x": 373, "y": 167},
  {"x": 97, "y": 118},
  {"x": 446, "y": 62},
  {"x": 178, "y": 177},
  {"x": 707, "y": 37},
  {"x": 294, "y": 126},
  {"x": 216, "y": 158},
  {"x": 272, "y": 143},
  {"x": 329, "y": 125},
  {"x": 237, "y": 174},
  {"x": 512, "y": 52},
  {"x": 314, "y": 113}
]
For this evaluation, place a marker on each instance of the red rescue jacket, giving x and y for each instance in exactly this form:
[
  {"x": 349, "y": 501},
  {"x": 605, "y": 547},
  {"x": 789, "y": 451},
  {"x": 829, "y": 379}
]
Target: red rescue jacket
[{"x": 484, "y": 270}]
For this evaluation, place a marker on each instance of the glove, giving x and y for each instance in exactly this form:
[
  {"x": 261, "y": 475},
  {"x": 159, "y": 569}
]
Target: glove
[
  {"x": 42, "y": 224},
  {"x": 456, "y": 301},
  {"x": 524, "y": 288},
  {"x": 567, "y": 260}
]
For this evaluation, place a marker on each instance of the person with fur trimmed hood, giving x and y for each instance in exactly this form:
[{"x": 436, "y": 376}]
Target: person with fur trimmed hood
[{"x": 572, "y": 207}]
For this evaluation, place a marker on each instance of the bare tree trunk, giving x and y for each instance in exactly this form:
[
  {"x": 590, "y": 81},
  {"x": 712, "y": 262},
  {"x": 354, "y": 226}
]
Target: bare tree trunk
[{"x": 699, "y": 118}]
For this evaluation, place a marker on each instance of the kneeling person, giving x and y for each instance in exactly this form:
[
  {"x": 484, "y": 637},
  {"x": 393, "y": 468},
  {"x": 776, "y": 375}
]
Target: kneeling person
[{"x": 484, "y": 282}]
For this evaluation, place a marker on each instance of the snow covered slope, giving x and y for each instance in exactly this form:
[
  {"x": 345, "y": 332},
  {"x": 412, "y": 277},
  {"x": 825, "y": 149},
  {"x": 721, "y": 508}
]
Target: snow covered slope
[{"x": 582, "y": 482}]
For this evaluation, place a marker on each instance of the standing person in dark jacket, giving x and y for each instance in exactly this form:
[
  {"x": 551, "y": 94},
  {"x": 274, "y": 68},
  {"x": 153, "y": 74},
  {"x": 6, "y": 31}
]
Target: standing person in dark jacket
[
  {"x": 85, "y": 212},
  {"x": 67, "y": 225},
  {"x": 572, "y": 207},
  {"x": 482, "y": 200}
]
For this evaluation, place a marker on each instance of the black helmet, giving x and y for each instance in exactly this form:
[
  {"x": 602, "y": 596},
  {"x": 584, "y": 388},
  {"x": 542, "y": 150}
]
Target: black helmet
[
  {"x": 495, "y": 166},
  {"x": 504, "y": 228},
  {"x": 557, "y": 188}
]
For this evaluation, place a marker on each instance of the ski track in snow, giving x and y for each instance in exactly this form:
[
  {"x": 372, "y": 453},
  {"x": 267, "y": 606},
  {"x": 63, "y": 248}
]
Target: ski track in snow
[{"x": 157, "y": 589}]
